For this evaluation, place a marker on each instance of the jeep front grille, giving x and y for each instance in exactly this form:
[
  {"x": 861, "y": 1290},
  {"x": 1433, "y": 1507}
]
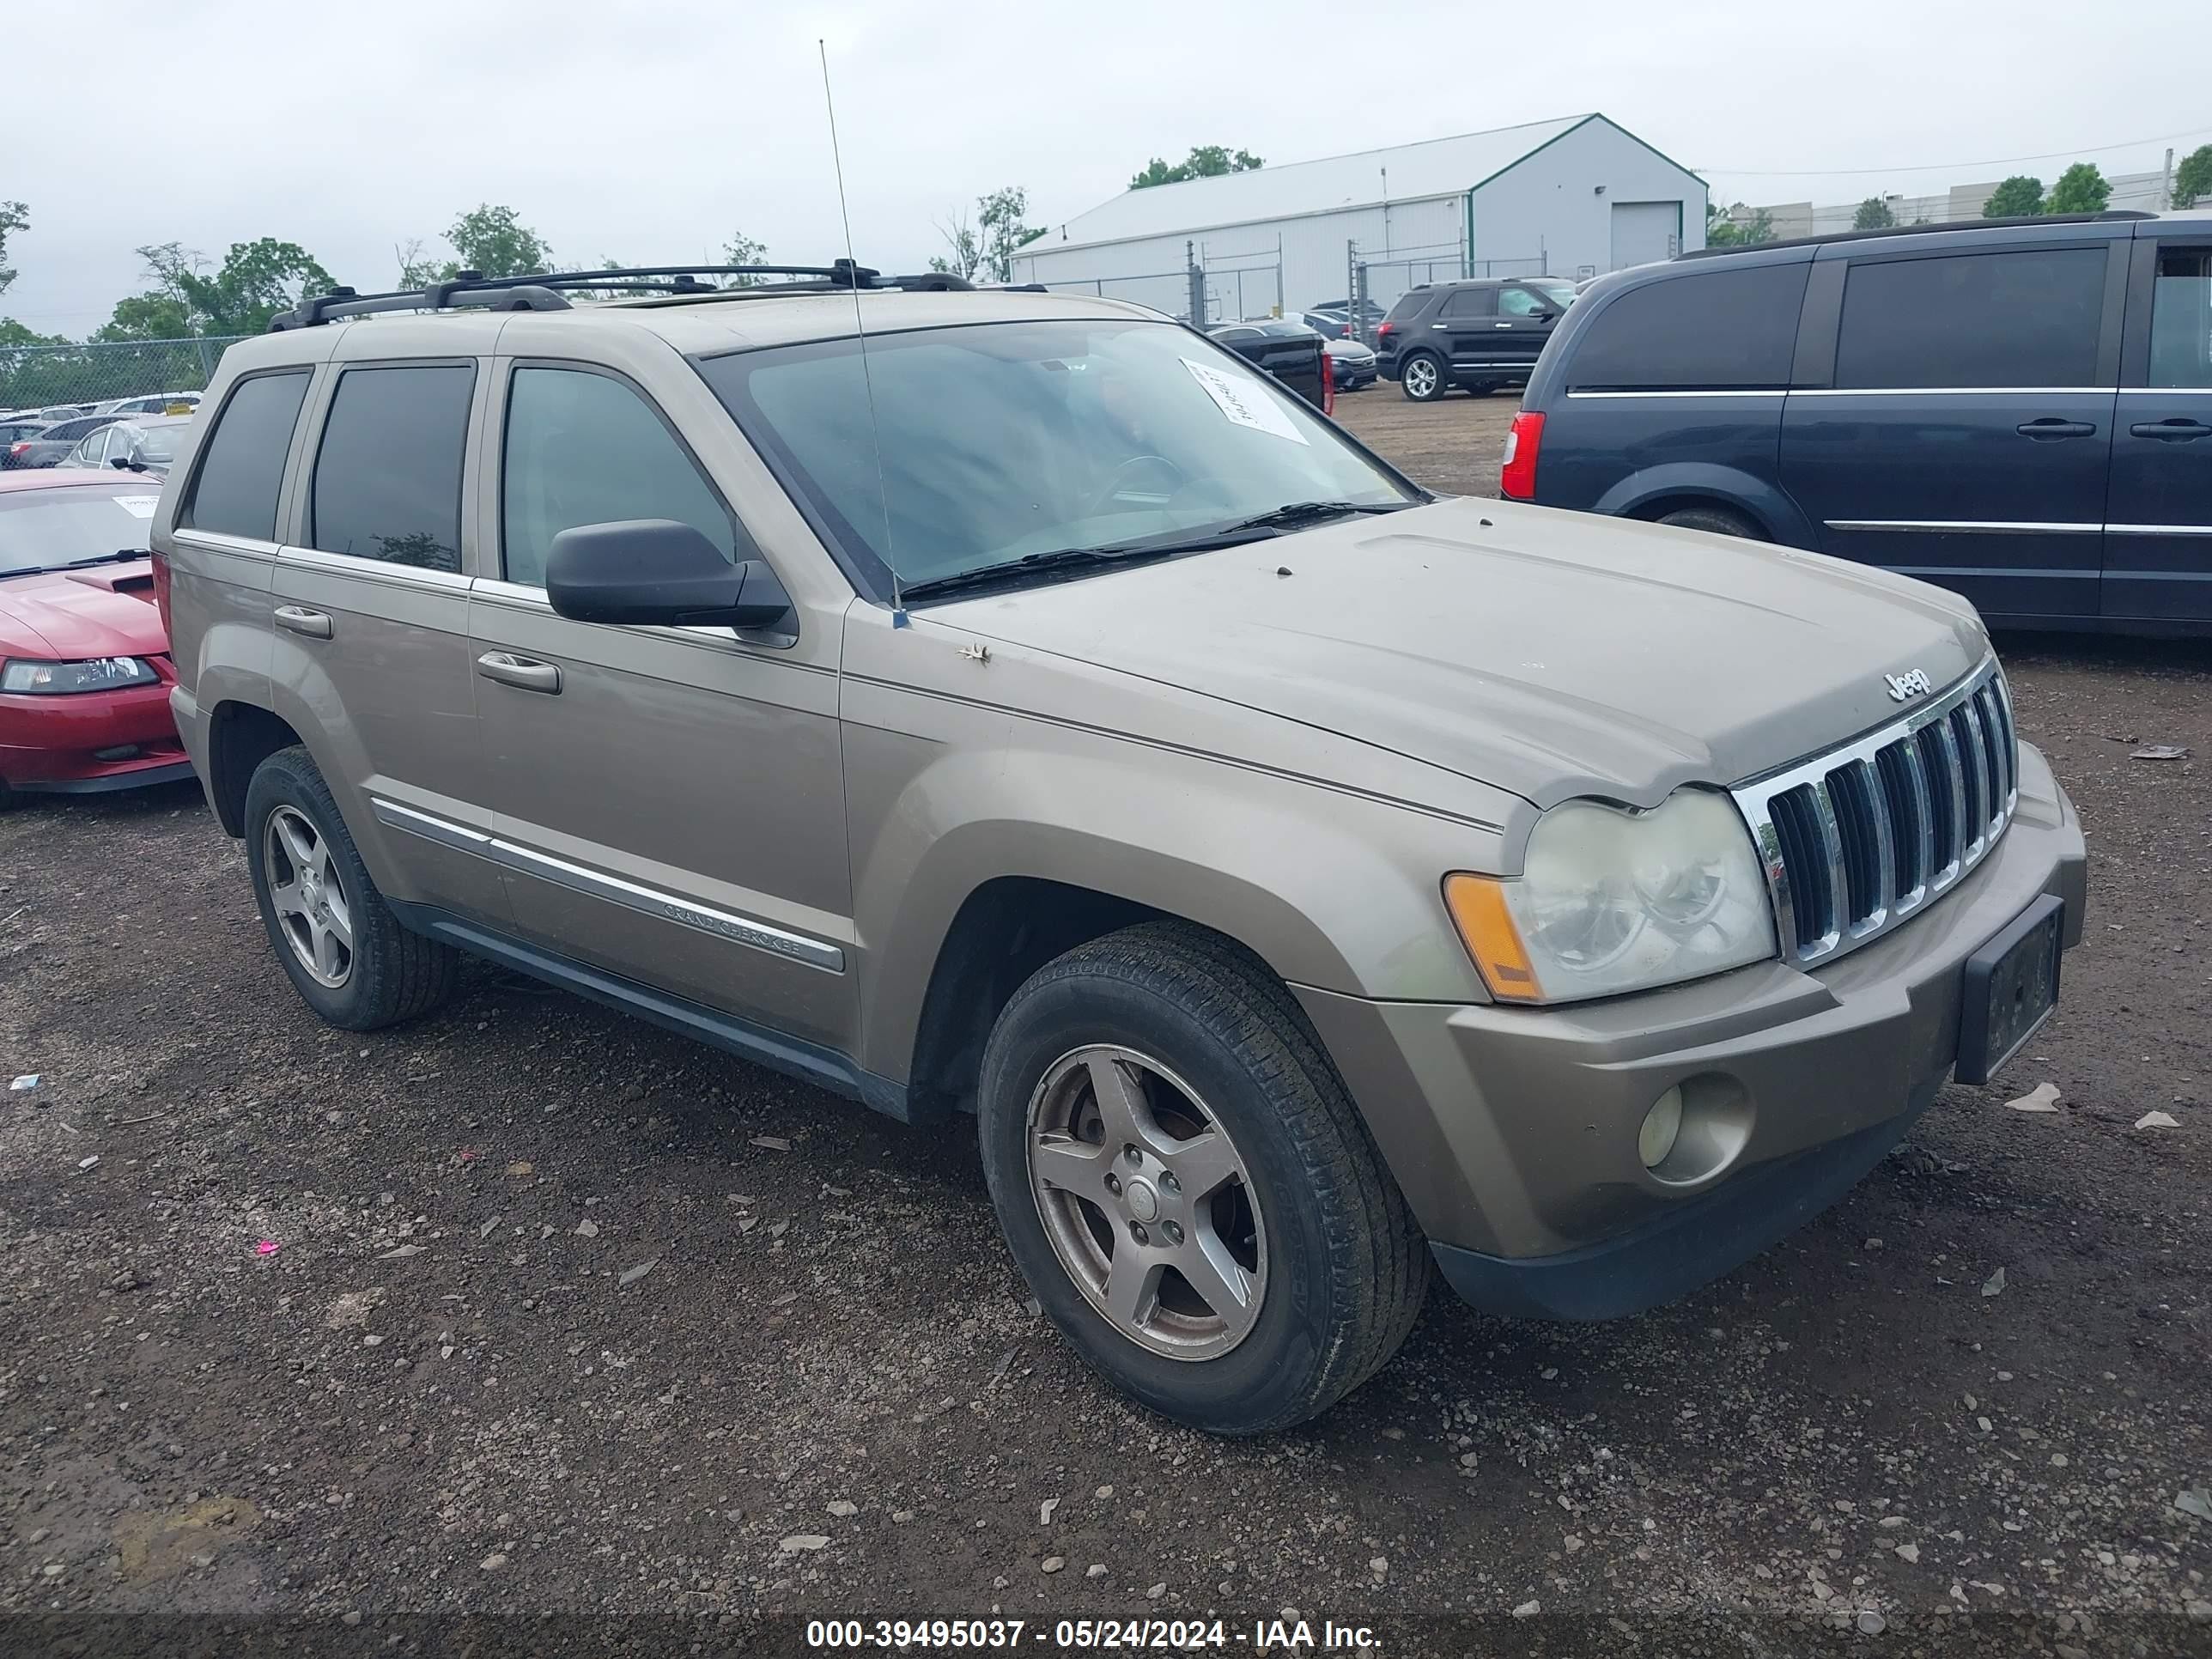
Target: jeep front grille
[{"x": 1857, "y": 840}]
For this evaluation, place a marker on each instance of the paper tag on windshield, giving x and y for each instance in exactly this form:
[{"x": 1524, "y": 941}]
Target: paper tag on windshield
[
  {"x": 1244, "y": 403},
  {"x": 138, "y": 506}
]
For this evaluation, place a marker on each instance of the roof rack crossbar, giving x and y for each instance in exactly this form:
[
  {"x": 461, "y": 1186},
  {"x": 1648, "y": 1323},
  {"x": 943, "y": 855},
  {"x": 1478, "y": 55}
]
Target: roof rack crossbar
[
  {"x": 542, "y": 291},
  {"x": 2110, "y": 215}
]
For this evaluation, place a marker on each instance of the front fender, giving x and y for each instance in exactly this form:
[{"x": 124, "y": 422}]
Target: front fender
[
  {"x": 1329, "y": 888},
  {"x": 1766, "y": 506}
]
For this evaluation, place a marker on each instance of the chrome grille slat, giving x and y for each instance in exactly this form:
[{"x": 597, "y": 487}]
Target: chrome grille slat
[{"x": 1856, "y": 840}]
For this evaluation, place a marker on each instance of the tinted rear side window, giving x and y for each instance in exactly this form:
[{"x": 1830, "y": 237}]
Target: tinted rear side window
[
  {"x": 1471, "y": 303},
  {"x": 1717, "y": 329},
  {"x": 1973, "y": 320},
  {"x": 1410, "y": 304},
  {"x": 388, "y": 479},
  {"x": 235, "y": 493}
]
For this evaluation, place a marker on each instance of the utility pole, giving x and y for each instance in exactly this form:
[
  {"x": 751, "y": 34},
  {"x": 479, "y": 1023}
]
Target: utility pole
[{"x": 2165, "y": 182}]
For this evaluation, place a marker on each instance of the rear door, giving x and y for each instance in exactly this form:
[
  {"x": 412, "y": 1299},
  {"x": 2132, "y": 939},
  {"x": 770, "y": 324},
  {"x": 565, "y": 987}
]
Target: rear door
[
  {"x": 1959, "y": 428},
  {"x": 2158, "y": 530},
  {"x": 1464, "y": 325},
  {"x": 368, "y": 616}
]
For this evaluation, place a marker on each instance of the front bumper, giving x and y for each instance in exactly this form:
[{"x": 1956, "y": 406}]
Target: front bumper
[
  {"x": 58, "y": 743},
  {"x": 1513, "y": 1131}
]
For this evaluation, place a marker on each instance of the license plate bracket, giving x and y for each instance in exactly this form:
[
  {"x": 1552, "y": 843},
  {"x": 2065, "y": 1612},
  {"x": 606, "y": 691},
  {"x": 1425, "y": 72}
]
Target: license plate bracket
[{"x": 2010, "y": 988}]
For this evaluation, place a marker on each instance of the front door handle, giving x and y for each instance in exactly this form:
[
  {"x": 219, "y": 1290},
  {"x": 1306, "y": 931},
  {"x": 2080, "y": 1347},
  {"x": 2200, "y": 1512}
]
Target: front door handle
[
  {"x": 2052, "y": 427},
  {"x": 2179, "y": 430},
  {"x": 1501, "y": 325},
  {"x": 520, "y": 672},
  {"x": 300, "y": 620}
]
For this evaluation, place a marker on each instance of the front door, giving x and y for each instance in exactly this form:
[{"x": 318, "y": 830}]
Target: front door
[
  {"x": 2158, "y": 530},
  {"x": 1470, "y": 327},
  {"x": 669, "y": 802},
  {"x": 1528, "y": 314},
  {"x": 1964, "y": 435}
]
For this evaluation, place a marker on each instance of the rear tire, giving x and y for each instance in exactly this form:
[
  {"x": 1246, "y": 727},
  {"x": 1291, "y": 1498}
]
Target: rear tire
[
  {"x": 335, "y": 937},
  {"x": 1422, "y": 377},
  {"x": 1332, "y": 1268},
  {"x": 1716, "y": 521}
]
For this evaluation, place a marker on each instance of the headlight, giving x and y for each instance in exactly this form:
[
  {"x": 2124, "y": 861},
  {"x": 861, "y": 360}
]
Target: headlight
[
  {"x": 60, "y": 678},
  {"x": 1610, "y": 901}
]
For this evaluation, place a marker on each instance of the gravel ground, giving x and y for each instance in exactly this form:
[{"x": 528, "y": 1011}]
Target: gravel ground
[{"x": 532, "y": 1309}]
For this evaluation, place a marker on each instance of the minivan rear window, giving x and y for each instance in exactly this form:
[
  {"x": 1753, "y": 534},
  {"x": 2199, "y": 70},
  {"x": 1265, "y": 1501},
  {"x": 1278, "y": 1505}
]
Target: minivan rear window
[
  {"x": 1720, "y": 330},
  {"x": 2028, "y": 317}
]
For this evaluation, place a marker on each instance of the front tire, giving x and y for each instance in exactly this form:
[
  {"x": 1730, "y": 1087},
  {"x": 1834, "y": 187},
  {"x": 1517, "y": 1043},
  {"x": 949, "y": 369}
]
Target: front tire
[
  {"x": 335, "y": 937},
  {"x": 1186, "y": 1186},
  {"x": 1422, "y": 378}
]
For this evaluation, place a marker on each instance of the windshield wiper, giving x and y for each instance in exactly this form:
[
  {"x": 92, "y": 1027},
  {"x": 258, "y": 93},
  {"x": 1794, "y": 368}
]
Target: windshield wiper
[
  {"x": 1275, "y": 522},
  {"x": 1065, "y": 558},
  {"x": 1298, "y": 513},
  {"x": 116, "y": 557}
]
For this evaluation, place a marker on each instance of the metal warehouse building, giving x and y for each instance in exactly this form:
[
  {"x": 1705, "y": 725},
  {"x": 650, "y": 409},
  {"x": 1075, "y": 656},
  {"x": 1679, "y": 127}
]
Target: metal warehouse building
[{"x": 1569, "y": 198}]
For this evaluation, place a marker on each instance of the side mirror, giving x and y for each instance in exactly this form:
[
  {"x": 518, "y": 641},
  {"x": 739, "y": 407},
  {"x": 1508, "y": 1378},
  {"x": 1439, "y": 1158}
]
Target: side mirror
[{"x": 641, "y": 572}]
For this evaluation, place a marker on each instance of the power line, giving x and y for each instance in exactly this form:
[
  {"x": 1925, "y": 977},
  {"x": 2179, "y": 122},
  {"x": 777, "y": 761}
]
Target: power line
[{"x": 1955, "y": 167}]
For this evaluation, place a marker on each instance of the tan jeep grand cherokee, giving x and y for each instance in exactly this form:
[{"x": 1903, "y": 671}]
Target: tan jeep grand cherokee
[{"x": 1026, "y": 709}]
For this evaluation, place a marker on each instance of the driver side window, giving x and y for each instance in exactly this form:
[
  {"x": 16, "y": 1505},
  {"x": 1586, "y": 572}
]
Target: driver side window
[
  {"x": 1520, "y": 302},
  {"x": 585, "y": 448}
]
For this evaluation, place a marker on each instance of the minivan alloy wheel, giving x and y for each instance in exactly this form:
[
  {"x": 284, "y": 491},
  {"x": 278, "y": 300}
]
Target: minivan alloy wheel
[
  {"x": 1146, "y": 1202},
  {"x": 312, "y": 909}
]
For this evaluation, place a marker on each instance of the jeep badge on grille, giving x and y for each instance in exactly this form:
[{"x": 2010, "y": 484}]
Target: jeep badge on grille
[{"x": 1913, "y": 683}]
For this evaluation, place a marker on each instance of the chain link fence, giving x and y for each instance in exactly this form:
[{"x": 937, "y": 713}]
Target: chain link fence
[
  {"x": 48, "y": 376},
  {"x": 1163, "y": 290}
]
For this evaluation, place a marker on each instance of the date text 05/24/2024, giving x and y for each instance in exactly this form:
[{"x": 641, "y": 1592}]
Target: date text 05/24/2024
[{"x": 1089, "y": 1635}]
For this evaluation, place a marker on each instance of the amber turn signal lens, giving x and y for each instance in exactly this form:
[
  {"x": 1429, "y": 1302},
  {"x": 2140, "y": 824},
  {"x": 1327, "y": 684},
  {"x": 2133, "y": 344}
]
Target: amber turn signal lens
[{"x": 1478, "y": 909}]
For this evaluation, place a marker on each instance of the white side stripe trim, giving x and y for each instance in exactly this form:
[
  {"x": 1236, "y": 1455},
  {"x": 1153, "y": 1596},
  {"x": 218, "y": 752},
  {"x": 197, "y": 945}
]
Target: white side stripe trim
[{"x": 647, "y": 901}]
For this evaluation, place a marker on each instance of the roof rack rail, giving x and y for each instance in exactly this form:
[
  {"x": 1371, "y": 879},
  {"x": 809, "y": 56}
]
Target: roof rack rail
[
  {"x": 543, "y": 291},
  {"x": 2109, "y": 216}
]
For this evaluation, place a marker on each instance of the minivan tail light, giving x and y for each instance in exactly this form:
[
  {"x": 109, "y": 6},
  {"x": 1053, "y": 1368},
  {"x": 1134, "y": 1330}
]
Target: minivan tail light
[
  {"x": 1516, "y": 472},
  {"x": 161, "y": 590}
]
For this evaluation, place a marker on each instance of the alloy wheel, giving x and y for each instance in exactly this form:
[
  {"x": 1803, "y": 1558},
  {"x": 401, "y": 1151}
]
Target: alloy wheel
[
  {"x": 1421, "y": 378},
  {"x": 1146, "y": 1202},
  {"x": 312, "y": 909}
]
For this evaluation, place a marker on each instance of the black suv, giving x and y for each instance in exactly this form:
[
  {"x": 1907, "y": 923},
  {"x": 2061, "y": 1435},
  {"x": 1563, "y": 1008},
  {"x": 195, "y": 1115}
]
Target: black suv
[
  {"x": 2018, "y": 409},
  {"x": 1481, "y": 334}
]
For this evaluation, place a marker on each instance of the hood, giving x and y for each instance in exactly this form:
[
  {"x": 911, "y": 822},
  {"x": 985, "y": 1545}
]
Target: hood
[
  {"x": 105, "y": 611},
  {"x": 1548, "y": 653}
]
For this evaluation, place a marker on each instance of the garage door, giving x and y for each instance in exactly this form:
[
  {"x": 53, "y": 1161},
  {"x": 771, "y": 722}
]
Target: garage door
[{"x": 1645, "y": 231}]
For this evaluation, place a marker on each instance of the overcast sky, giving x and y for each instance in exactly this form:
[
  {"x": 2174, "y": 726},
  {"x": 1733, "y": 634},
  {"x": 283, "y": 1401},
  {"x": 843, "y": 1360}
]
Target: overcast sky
[{"x": 649, "y": 131}]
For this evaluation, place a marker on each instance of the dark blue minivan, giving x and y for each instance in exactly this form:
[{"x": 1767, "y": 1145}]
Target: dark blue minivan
[{"x": 2019, "y": 409}]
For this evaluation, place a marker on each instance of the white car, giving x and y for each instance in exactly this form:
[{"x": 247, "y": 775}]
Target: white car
[{"x": 159, "y": 403}]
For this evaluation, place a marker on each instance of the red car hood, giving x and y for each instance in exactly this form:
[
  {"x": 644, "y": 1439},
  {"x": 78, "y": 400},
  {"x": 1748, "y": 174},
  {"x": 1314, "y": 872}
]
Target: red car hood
[{"x": 105, "y": 611}]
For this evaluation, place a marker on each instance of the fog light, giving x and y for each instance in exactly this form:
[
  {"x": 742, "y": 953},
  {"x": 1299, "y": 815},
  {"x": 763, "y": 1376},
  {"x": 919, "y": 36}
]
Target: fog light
[{"x": 1661, "y": 1125}]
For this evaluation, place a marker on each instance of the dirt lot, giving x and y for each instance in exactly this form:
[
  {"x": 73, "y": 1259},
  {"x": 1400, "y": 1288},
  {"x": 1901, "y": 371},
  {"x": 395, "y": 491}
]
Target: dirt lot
[{"x": 532, "y": 1309}]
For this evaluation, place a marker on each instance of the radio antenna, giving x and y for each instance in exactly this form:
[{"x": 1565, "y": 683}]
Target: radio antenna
[{"x": 861, "y": 328}]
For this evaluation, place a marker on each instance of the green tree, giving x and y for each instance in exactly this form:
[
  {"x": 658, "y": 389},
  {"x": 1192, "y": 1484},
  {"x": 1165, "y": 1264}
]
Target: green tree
[
  {"x": 14, "y": 216},
  {"x": 2191, "y": 180},
  {"x": 1873, "y": 213},
  {"x": 255, "y": 281},
  {"x": 2081, "y": 189},
  {"x": 742, "y": 250},
  {"x": 2017, "y": 198},
  {"x": 1001, "y": 230},
  {"x": 1738, "y": 227},
  {"x": 148, "y": 317},
  {"x": 494, "y": 241},
  {"x": 1204, "y": 161}
]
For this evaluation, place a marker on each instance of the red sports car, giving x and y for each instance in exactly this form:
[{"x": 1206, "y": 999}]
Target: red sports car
[{"x": 84, "y": 662}]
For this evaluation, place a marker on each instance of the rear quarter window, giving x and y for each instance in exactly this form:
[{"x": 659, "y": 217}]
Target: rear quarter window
[
  {"x": 1703, "y": 329},
  {"x": 242, "y": 466}
]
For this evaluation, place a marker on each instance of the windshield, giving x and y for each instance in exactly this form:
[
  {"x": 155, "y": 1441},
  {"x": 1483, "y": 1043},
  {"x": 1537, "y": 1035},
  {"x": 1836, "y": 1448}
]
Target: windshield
[
  {"x": 45, "y": 528},
  {"x": 1005, "y": 439}
]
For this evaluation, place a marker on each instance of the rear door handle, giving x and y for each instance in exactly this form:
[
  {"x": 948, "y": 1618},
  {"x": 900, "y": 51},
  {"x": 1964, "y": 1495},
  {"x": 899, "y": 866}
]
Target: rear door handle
[
  {"x": 520, "y": 672},
  {"x": 2179, "y": 430},
  {"x": 300, "y": 620},
  {"x": 2052, "y": 427}
]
